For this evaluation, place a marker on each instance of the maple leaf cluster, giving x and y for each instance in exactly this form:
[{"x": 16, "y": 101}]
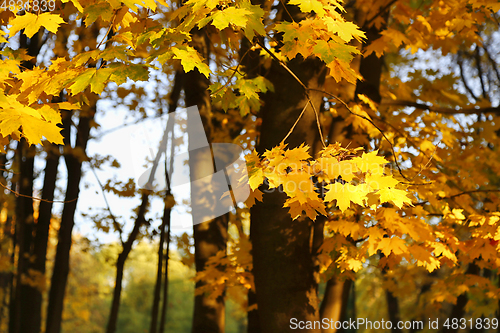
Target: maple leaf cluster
[{"x": 338, "y": 174}]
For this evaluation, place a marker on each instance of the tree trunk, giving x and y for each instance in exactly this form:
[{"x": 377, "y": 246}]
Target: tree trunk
[
  {"x": 159, "y": 274},
  {"x": 334, "y": 304},
  {"x": 120, "y": 264},
  {"x": 282, "y": 254},
  {"x": 6, "y": 245},
  {"x": 166, "y": 256},
  {"x": 393, "y": 310},
  {"x": 24, "y": 235},
  {"x": 458, "y": 310},
  {"x": 61, "y": 263},
  {"x": 209, "y": 237},
  {"x": 34, "y": 307},
  {"x": 20, "y": 302},
  {"x": 174, "y": 97}
]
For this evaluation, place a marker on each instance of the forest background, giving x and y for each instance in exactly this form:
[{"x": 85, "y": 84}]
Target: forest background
[{"x": 370, "y": 131}]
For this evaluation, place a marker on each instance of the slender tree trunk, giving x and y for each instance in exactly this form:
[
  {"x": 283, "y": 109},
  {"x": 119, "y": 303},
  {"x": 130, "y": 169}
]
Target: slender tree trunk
[
  {"x": 334, "y": 304},
  {"x": 458, "y": 310},
  {"x": 24, "y": 234},
  {"x": 6, "y": 245},
  {"x": 209, "y": 237},
  {"x": 164, "y": 308},
  {"x": 120, "y": 264},
  {"x": 159, "y": 274},
  {"x": 174, "y": 97},
  {"x": 393, "y": 310},
  {"x": 61, "y": 263},
  {"x": 392, "y": 305},
  {"x": 34, "y": 307},
  {"x": 20, "y": 301},
  {"x": 41, "y": 238},
  {"x": 167, "y": 211}
]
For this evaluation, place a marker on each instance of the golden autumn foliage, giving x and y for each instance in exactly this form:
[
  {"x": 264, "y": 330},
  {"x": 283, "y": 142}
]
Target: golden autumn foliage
[{"x": 408, "y": 184}]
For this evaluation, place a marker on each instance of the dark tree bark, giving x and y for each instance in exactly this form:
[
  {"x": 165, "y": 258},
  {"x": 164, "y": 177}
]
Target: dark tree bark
[
  {"x": 284, "y": 266},
  {"x": 6, "y": 243},
  {"x": 209, "y": 237},
  {"x": 24, "y": 234},
  {"x": 20, "y": 302},
  {"x": 458, "y": 309},
  {"x": 61, "y": 263},
  {"x": 393, "y": 310},
  {"x": 159, "y": 272},
  {"x": 166, "y": 256},
  {"x": 34, "y": 306},
  {"x": 41, "y": 237},
  {"x": 334, "y": 304}
]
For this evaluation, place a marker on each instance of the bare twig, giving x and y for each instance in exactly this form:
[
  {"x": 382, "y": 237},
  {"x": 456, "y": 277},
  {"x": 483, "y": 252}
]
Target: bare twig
[
  {"x": 297, "y": 121},
  {"x": 115, "y": 222},
  {"x": 17, "y": 194},
  {"x": 373, "y": 124},
  {"x": 457, "y": 195},
  {"x": 431, "y": 108}
]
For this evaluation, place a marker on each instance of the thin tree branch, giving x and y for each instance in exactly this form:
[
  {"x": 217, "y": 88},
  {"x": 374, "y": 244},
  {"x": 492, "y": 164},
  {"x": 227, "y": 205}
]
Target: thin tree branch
[
  {"x": 306, "y": 89},
  {"x": 17, "y": 194},
  {"x": 297, "y": 121},
  {"x": 373, "y": 124},
  {"x": 115, "y": 222},
  {"x": 492, "y": 61},
  {"x": 457, "y": 195},
  {"x": 423, "y": 106},
  {"x": 477, "y": 57},
  {"x": 380, "y": 12},
  {"x": 462, "y": 76}
]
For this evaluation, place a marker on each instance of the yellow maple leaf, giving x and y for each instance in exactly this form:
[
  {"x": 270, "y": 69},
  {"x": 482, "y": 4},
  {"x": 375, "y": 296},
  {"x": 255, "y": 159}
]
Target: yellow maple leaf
[
  {"x": 309, "y": 6},
  {"x": 378, "y": 181},
  {"x": 369, "y": 161},
  {"x": 334, "y": 168},
  {"x": 392, "y": 245},
  {"x": 345, "y": 194},
  {"x": 340, "y": 69},
  {"x": 310, "y": 207},
  {"x": 300, "y": 153},
  {"x": 344, "y": 29},
  {"x": 254, "y": 195},
  {"x": 397, "y": 197},
  {"x": 15, "y": 116},
  {"x": 379, "y": 46},
  {"x": 31, "y": 23}
]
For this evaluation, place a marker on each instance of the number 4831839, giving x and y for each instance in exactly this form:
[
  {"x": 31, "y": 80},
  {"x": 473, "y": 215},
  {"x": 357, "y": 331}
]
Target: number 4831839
[
  {"x": 478, "y": 323},
  {"x": 34, "y": 6}
]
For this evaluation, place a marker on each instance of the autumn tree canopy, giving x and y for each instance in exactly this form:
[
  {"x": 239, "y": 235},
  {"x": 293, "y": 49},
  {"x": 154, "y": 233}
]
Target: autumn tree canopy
[{"x": 371, "y": 136}]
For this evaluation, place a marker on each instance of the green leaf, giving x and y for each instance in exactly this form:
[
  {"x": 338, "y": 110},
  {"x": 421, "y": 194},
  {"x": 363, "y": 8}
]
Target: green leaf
[{"x": 82, "y": 81}]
